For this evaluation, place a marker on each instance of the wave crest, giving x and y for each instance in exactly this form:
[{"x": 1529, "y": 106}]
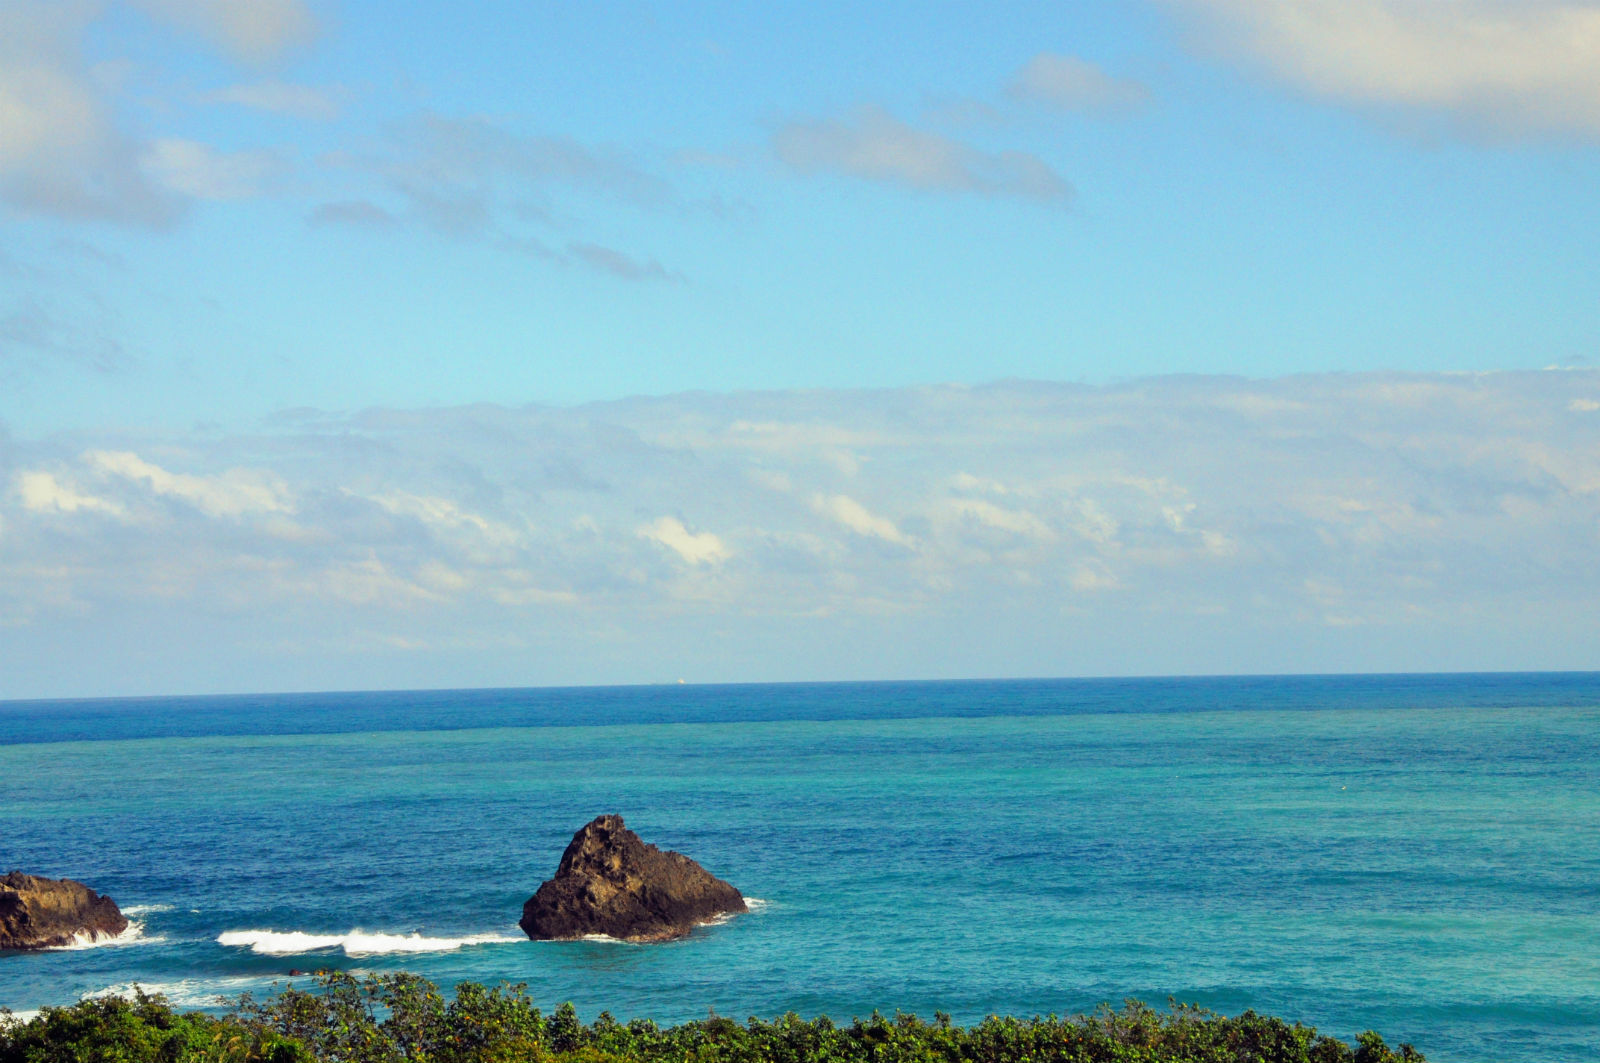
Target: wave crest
[
  {"x": 134, "y": 935},
  {"x": 354, "y": 943}
]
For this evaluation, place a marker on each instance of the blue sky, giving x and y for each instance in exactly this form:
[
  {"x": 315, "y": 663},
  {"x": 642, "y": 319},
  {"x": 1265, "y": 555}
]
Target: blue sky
[{"x": 220, "y": 218}]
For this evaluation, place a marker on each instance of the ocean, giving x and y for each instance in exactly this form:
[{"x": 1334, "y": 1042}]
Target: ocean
[{"x": 1411, "y": 854}]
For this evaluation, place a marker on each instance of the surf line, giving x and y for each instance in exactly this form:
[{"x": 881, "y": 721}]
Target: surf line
[{"x": 353, "y": 943}]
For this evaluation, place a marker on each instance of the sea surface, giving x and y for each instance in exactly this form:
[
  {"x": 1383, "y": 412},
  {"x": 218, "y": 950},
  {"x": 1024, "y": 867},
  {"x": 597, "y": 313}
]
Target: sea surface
[{"x": 1414, "y": 854}]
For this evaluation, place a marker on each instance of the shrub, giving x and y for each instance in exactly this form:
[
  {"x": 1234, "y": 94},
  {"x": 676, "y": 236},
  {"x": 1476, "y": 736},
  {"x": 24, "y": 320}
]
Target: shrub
[{"x": 401, "y": 1018}]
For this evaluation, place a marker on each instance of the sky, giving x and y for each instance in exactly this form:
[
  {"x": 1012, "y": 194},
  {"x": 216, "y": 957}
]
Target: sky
[{"x": 351, "y": 345}]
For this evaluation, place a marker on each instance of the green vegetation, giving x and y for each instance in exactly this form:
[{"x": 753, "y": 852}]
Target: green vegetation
[{"x": 402, "y": 1018}]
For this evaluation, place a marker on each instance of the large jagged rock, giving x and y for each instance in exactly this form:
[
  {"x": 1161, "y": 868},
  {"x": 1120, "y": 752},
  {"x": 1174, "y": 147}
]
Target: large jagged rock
[
  {"x": 47, "y": 913},
  {"x": 611, "y": 882}
]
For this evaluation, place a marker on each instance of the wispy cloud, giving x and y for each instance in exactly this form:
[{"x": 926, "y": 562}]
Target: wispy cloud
[
  {"x": 33, "y": 336},
  {"x": 195, "y": 170},
  {"x": 283, "y": 98},
  {"x": 873, "y": 145},
  {"x": 475, "y": 179},
  {"x": 1069, "y": 83},
  {"x": 234, "y": 493},
  {"x": 436, "y": 158},
  {"x": 618, "y": 264},
  {"x": 357, "y": 212}
]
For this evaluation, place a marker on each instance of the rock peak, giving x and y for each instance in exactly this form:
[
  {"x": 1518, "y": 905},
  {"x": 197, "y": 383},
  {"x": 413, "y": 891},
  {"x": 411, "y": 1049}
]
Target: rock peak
[{"x": 612, "y": 882}]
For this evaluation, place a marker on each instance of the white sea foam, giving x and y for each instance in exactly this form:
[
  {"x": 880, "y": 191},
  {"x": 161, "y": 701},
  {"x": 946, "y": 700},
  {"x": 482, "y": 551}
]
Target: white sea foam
[
  {"x": 606, "y": 939},
  {"x": 134, "y": 935},
  {"x": 188, "y": 993},
  {"x": 755, "y": 904},
  {"x": 145, "y": 909},
  {"x": 18, "y": 1017},
  {"x": 354, "y": 943}
]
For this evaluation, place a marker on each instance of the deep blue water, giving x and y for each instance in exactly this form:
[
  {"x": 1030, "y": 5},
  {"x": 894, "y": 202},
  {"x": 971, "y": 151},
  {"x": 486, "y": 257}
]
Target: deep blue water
[{"x": 1415, "y": 854}]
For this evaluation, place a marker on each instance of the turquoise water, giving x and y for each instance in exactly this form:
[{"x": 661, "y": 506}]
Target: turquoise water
[{"x": 1411, "y": 854}]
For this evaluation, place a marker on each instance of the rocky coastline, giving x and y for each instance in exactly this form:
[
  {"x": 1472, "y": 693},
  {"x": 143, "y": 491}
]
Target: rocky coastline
[{"x": 46, "y": 913}]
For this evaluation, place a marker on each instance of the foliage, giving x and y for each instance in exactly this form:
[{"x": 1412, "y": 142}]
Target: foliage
[
  {"x": 401, "y": 1018},
  {"x": 142, "y": 1030}
]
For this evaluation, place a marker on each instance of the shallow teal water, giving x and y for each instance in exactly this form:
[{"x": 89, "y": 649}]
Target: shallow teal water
[{"x": 1419, "y": 859}]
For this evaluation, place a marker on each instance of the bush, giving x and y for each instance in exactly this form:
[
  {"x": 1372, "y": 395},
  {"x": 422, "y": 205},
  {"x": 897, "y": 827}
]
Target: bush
[
  {"x": 142, "y": 1030},
  {"x": 401, "y": 1018}
]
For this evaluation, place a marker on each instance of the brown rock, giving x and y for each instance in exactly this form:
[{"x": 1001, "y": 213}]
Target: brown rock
[
  {"x": 46, "y": 913},
  {"x": 611, "y": 882}
]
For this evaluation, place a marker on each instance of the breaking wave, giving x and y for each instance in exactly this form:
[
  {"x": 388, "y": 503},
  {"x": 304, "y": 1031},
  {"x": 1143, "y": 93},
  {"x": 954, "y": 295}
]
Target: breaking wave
[
  {"x": 188, "y": 993},
  {"x": 354, "y": 943},
  {"x": 134, "y": 935}
]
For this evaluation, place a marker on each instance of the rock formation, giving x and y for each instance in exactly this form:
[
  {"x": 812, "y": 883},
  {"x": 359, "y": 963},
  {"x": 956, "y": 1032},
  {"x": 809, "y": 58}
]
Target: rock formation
[
  {"x": 45, "y": 913},
  {"x": 610, "y": 882}
]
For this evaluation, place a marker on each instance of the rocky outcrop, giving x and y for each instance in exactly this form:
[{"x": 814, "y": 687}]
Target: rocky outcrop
[
  {"x": 46, "y": 913},
  {"x": 611, "y": 882}
]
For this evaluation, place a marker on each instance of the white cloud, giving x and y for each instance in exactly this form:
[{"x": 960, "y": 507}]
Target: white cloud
[
  {"x": 853, "y": 515},
  {"x": 41, "y": 492},
  {"x": 192, "y": 169},
  {"x": 1090, "y": 520},
  {"x": 873, "y": 145},
  {"x": 965, "y": 481},
  {"x": 1583, "y": 405},
  {"x": 1036, "y": 518},
  {"x": 254, "y": 30},
  {"x": 522, "y": 596},
  {"x": 60, "y": 151},
  {"x": 1018, "y": 521},
  {"x": 369, "y": 582},
  {"x": 1513, "y": 67},
  {"x": 235, "y": 493},
  {"x": 701, "y": 548},
  {"x": 448, "y": 516},
  {"x": 1087, "y": 578},
  {"x": 1073, "y": 84}
]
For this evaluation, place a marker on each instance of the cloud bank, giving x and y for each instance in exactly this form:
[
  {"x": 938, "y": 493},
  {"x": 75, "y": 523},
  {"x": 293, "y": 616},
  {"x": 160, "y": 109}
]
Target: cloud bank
[{"x": 1359, "y": 522}]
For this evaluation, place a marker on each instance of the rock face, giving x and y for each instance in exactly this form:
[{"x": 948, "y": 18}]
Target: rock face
[
  {"x": 610, "y": 882},
  {"x": 45, "y": 913}
]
